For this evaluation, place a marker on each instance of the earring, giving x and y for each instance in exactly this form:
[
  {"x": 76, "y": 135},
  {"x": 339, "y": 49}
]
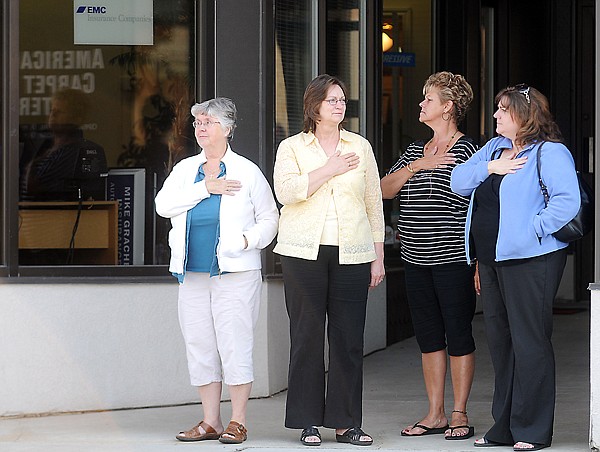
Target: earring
[{"x": 447, "y": 117}]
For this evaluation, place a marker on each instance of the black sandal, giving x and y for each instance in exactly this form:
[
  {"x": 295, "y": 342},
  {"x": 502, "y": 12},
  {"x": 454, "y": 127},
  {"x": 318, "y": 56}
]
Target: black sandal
[
  {"x": 310, "y": 431},
  {"x": 449, "y": 434},
  {"x": 470, "y": 432},
  {"x": 352, "y": 436}
]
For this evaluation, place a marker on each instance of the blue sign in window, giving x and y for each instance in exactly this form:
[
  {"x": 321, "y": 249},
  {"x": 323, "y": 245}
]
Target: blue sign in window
[{"x": 404, "y": 59}]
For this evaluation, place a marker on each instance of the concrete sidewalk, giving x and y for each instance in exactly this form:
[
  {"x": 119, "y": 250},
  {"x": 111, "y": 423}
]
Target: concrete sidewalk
[{"x": 394, "y": 397}]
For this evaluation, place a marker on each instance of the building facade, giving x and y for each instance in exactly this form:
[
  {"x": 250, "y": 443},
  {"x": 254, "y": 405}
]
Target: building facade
[
  {"x": 88, "y": 304},
  {"x": 88, "y": 307}
]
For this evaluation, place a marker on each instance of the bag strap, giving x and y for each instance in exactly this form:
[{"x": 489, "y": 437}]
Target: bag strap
[
  {"x": 543, "y": 187},
  {"x": 496, "y": 154}
]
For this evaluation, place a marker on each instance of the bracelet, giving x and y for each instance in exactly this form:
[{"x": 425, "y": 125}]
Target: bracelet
[{"x": 410, "y": 168}]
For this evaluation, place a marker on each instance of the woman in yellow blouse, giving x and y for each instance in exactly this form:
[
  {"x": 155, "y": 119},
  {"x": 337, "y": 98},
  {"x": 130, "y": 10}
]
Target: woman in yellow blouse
[{"x": 331, "y": 234}]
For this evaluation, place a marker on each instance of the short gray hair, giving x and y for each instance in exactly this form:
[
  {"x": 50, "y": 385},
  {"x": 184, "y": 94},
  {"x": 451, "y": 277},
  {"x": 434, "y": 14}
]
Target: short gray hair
[{"x": 221, "y": 108}]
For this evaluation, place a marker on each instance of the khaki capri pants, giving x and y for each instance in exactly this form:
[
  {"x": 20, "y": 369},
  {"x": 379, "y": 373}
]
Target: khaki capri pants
[{"x": 217, "y": 316}]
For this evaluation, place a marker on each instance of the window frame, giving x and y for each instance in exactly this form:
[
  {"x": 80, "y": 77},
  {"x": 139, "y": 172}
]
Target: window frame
[
  {"x": 10, "y": 269},
  {"x": 10, "y": 136}
]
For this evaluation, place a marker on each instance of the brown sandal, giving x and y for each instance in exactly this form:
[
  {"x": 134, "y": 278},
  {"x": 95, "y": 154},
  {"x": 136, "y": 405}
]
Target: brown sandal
[
  {"x": 235, "y": 433},
  {"x": 194, "y": 434}
]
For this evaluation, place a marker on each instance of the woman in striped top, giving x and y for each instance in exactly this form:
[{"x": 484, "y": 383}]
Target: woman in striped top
[{"x": 439, "y": 281}]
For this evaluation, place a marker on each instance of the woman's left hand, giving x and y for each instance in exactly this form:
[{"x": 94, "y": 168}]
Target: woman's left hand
[
  {"x": 377, "y": 273},
  {"x": 377, "y": 267}
]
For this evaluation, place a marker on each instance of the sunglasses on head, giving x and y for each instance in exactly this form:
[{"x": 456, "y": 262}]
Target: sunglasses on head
[{"x": 523, "y": 89}]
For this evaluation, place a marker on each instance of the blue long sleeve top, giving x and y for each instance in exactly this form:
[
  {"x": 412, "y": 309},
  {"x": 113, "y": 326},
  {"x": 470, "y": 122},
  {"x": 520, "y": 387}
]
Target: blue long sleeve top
[{"x": 526, "y": 224}]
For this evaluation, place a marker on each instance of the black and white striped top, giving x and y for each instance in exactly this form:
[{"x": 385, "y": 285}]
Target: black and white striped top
[{"x": 432, "y": 217}]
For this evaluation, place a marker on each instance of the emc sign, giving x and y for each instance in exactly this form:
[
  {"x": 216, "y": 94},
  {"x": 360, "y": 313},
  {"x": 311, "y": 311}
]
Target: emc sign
[{"x": 91, "y": 9}]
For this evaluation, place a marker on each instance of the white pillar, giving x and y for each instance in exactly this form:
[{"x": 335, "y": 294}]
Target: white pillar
[
  {"x": 595, "y": 367},
  {"x": 595, "y": 287}
]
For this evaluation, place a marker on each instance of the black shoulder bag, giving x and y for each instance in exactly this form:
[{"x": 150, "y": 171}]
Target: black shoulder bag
[{"x": 584, "y": 220}]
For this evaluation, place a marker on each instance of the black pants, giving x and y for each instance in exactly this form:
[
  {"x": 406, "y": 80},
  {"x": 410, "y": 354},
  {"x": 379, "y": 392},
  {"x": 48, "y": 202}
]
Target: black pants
[
  {"x": 314, "y": 291},
  {"x": 442, "y": 300},
  {"x": 517, "y": 308}
]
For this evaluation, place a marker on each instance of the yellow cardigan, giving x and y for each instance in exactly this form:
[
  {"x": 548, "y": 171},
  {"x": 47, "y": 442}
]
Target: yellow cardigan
[{"x": 357, "y": 197}]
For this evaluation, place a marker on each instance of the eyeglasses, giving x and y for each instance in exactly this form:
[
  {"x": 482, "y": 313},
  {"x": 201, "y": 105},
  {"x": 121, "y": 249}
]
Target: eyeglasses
[
  {"x": 523, "y": 89},
  {"x": 334, "y": 101},
  {"x": 207, "y": 124}
]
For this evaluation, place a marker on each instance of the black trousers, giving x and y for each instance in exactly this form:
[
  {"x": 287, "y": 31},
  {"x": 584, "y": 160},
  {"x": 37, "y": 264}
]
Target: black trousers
[
  {"x": 316, "y": 291},
  {"x": 442, "y": 301},
  {"x": 517, "y": 308}
]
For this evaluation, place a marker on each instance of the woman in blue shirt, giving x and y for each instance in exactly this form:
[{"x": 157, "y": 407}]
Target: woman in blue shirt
[{"x": 509, "y": 230}]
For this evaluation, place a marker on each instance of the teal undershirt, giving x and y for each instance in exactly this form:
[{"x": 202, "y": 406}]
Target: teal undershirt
[{"x": 202, "y": 232}]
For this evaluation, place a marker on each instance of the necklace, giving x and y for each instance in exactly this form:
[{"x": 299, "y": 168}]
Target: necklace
[
  {"x": 447, "y": 144},
  {"x": 430, "y": 172},
  {"x": 211, "y": 174}
]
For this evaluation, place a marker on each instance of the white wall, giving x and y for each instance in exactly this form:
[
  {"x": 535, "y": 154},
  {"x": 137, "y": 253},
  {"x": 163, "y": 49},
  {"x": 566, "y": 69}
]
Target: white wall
[
  {"x": 72, "y": 347},
  {"x": 595, "y": 368},
  {"x": 88, "y": 347}
]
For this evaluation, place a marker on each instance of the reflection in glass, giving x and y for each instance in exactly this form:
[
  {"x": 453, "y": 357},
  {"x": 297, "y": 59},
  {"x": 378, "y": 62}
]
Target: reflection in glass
[
  {"x": 138, "y": 99},
  {"x": 57, "y": 163},
  {"x": 293, "y": 68},
  {"x": 343, "y": 54}
]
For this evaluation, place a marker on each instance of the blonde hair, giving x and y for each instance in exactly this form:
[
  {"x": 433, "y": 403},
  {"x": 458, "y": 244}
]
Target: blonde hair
[{"x": 452, "y": 87}]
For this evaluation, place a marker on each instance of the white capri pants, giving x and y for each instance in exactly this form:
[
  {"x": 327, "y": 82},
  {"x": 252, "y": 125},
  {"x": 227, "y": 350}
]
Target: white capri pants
[{"x": 217, "y": 317}]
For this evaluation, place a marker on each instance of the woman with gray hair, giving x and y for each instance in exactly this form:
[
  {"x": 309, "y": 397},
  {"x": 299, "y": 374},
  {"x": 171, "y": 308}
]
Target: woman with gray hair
[{"x": 223, "y": 214}]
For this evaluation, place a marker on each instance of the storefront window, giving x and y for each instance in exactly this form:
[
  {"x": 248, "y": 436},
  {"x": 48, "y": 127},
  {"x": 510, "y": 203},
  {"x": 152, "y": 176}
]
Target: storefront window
[
  {"x": 293, "y": 63},
  {"x": 406, "y": 40},
  {"x": 105, "y": 93},
  {"x": 294, "y": 69},
  {"x": 344, "y": 54}
]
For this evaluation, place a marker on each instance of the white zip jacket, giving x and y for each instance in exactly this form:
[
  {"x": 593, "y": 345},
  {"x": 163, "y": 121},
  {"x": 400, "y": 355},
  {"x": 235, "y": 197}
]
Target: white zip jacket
[{"x": 250, "y": 213}]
